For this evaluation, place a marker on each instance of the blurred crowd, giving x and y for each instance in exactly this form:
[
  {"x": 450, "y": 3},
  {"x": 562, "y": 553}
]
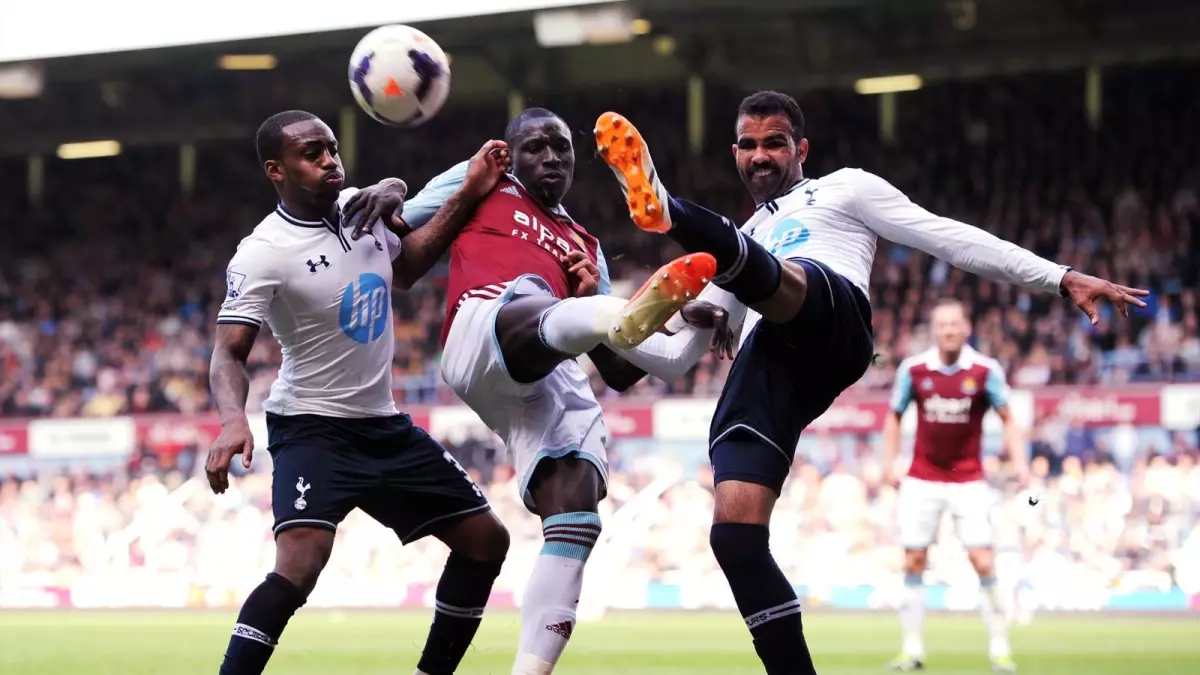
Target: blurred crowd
[
  {"x": 1095, "y": 530},
  {"x": 109, "y": 285}
]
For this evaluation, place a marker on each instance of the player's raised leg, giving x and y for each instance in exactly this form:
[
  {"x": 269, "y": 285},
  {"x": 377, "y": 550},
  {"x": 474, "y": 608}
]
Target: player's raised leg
[{"x": 773, "y": 288}]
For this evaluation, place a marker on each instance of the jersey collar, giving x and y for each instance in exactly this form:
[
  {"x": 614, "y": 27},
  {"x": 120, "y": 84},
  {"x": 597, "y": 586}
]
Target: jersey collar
[
  {"x": 557, "y": 210},
  {"x": 966, "y": 359},
  {"x": 770, "y": 204},
  {"x": 283, "y": 213}
]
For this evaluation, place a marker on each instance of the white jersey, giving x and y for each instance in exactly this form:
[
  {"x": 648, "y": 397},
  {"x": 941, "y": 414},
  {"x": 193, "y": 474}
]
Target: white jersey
[
  {"x": 327, "y": 300},
  {"x": 837, "y": 219}
]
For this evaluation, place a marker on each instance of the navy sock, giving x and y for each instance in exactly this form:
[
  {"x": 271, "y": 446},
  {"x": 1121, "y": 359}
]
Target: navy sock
[
  {"x": 462, "y": 594},
  {"x": 764, "y": 596},
  {"x": 744, "y": 267},
  {"x": 260, "y": 623}
]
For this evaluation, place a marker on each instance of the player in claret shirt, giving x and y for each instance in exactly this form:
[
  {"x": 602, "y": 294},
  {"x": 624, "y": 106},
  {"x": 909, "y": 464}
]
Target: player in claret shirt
[
  {"x": 953, "y": 387},
  {"x": 528, "y": 293}
]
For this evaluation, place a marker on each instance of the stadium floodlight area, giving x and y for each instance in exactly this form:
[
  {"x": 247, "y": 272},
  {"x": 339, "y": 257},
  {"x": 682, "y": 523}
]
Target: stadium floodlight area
[{"x": 35, "y": 30}]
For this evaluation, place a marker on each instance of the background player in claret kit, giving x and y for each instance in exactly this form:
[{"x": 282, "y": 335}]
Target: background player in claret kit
[
  {"x": 336, "y": 438},
  {"x": 527, "y": 294},
  {"x": 953, "y": 387},
  {"x": 802, "y": 264}
]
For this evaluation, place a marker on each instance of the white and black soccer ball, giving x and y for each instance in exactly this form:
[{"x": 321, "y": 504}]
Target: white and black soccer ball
[{"x": 399, "y": 76}]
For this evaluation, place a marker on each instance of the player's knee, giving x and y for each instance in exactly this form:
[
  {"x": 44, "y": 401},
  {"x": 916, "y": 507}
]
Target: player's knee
[
  {"x": 739, "y": 545},
  {"x": 301, "y": 554},
  {"x": 493, "y": 545},
  {"x": 914, "y": 561},
  {"x": 567, "y": 485},
  {"x": 983, "y": 561},
  {"x": 789, "y": 298}
]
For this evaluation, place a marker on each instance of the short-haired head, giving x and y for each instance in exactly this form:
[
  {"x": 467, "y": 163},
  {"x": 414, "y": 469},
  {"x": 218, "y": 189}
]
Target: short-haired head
[
  {"x": 768, "y": 103},
  {"x": 543, "y": 156},
  {"x": 770, "y": 144},
  {"x": 299, "y": 154},
  {"x": 950, "y": 326},
  {"x": 269, "y": 139}
]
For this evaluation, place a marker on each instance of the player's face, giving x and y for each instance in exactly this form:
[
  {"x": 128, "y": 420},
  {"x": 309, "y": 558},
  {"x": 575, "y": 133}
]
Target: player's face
[
  {"x": 950, "y": 328},
  {"x": 544, "y": 159},
  {"x": 309, "y": 161},
  {"x": 767, "y": 156}
]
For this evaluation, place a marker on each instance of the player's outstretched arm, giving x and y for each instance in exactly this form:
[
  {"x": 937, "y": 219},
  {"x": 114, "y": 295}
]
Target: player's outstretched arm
[
  {"x": 423, "y": 247},
  {"x": 230, "y": 385},
  {"x": 891, "y": 215}
]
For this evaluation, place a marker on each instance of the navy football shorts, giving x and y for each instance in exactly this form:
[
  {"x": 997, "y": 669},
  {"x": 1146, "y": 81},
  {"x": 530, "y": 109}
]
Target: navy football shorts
[
  {"x": 787, "y": 375},
  {"x": 390, "y": 468}
]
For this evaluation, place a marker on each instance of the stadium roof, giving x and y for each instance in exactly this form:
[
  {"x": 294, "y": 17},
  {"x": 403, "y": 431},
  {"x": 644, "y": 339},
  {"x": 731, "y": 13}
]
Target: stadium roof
[{"x": 786, "y": 44}]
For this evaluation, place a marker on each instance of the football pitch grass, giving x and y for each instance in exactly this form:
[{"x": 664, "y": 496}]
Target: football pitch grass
[{"x": 378, "y": 642}]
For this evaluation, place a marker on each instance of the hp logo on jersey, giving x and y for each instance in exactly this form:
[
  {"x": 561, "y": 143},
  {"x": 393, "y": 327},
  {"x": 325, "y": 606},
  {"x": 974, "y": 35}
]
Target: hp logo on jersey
[
  {"x": 785, "y": 236},
  {"x": 363, "y": 315}
]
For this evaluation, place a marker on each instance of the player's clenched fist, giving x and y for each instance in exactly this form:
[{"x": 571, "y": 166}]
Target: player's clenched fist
[
  {"x": 703, "y": 314},
  {"x": 235, "y": 439}
]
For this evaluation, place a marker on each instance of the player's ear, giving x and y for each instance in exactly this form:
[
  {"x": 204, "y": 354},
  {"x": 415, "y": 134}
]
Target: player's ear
[
  {"x": 274, "y": 170},
  {"x": 802, "y": 150},
  {"x": 734, "y": 148}
]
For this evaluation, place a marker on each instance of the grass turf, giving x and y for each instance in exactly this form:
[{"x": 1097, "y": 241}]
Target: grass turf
[{"x": 370, "y": 643}]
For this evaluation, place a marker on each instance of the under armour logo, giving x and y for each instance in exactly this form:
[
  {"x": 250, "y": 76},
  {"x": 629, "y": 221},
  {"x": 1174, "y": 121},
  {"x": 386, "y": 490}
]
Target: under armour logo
[
  {"x": 312, "y": 266},
  {"x": 301, "y": 487},
  {"x": 811, "y": 198}
]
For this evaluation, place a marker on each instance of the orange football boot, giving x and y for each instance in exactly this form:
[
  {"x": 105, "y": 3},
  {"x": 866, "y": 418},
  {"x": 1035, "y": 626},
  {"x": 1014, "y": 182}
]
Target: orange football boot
[
  {"x": 663, "y": 294},
  {"x": 623, "y": 148}
]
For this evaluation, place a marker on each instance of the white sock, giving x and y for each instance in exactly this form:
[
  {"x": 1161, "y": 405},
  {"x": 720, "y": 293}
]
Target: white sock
[
  {"x": 548, "y": 605},
  {"x": 912, "y": 616},
  {"x": 577, "y": 325},
  {"x": 991, "y": 607}
]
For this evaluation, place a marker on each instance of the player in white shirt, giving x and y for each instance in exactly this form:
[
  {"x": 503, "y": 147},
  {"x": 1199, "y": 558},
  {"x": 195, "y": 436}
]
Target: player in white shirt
[
  {"x": 802, "y": 265},
  {"x": 336, "y": 439}
]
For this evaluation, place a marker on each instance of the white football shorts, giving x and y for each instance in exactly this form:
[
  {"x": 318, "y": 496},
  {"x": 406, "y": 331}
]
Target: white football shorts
[
  {"x": 557, "y": 416},
  {"x": 921, "y": 505}
]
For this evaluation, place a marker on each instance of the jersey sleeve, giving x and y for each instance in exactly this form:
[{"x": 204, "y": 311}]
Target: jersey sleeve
[
  {"x": 891, "y": 215},
  {"x": 604, "y": 287},
  {"x": 420, "y": 209},
  {"x": 251, "y": 283},
  {"x": 997, "y": 386},
  {"x": 902, "y": 389}
]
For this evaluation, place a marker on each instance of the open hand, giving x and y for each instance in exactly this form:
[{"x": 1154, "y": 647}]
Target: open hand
[
  {"x": 703, "y": 314},
  {"x": 235, "y": 439},
  {"x": 486, "y": 169},
  {"x": 381, "y": 200},
  {"x": 1084, "y": 290},
  {"x": 583, "y": 272}
]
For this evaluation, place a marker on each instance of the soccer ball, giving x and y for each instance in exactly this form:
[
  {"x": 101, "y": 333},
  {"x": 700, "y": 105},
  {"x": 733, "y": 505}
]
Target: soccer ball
[{"x": 399, "y": 76}]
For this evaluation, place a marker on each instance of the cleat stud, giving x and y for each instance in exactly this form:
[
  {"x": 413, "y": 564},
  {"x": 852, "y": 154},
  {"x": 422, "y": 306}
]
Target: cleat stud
[
  {"x": 687, "y": 294},
  {"x": 616, "y": 122},
  {"x": 616, "y": 329},
  {"x": 666, "y": 275},
  {"x": 654, "y": 286},
  {"x": 704, "y": 280},
  {"x": 603, "y": 149},
  {"x": 629, "y": 341},
  {"x": 687, "y": 261},
  {"x": 650, "y": 210}
]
